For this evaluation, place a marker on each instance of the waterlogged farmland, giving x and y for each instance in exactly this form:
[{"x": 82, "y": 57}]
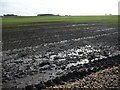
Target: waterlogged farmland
[{"x": 57, "y": 52}]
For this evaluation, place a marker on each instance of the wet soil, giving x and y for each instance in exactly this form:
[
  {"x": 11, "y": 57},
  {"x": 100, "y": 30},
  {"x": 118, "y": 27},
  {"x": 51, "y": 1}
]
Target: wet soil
[{"x": 57, "y": 52}]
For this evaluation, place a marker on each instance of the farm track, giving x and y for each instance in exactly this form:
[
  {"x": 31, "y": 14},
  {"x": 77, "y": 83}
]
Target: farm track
[{"x": 45, "y": 53}]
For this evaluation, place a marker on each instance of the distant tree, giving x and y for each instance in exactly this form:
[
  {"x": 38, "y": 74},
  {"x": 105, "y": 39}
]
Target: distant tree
[
  {"x": 9, "y": 15},
  {"x": 110, "y": 14},
  {"x": 45, "y": 15},
  {"x": 58, "y": 15},
  {"x": 105, "y": 14}
]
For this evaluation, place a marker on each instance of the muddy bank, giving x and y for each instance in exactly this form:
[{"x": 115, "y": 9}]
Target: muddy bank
[
  {"x": 80, "y": 72},
  {"x": 103, "y": 79}
]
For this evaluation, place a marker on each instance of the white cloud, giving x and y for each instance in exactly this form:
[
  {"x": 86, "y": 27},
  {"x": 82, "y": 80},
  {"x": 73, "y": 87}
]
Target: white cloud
[{"x": 70, "y": 7}]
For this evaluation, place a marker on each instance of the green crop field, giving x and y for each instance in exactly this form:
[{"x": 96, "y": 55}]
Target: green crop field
[{"x": 28, "y": 20}]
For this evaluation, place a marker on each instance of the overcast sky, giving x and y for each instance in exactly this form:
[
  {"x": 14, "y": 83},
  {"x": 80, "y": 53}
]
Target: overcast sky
[{"x": 62, "y": 7}]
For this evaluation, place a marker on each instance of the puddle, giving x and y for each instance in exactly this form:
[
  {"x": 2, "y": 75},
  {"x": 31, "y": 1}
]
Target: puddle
[{"x": 84, "y": 61}]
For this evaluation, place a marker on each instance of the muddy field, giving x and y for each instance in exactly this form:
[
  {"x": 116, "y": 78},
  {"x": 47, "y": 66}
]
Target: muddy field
[{"x": 56, "y": 53}]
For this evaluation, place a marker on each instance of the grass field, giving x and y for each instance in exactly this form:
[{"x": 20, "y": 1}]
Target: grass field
[{"x": 27, "y": 20}]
